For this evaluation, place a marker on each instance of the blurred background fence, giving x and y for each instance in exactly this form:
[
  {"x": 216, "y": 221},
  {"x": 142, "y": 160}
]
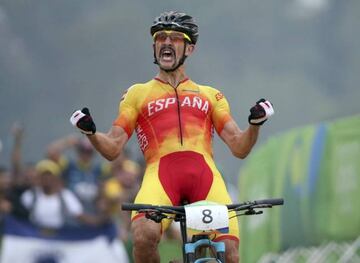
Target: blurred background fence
[
  {"x": 316, "y": 169},
  {"x": 343, "y": 252}
]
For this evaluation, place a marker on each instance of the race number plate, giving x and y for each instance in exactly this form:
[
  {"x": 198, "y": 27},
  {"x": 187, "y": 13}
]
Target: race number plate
[{"x": 207, "y": 216}]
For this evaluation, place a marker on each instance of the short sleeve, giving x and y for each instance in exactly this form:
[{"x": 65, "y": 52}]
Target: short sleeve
[
  {"x": 128, "y": 112},
  {"x": 221, "y": 111}
]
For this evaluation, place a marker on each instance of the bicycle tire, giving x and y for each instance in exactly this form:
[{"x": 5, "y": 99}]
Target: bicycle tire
[
  {"x": 190, "y": 258},
  {"x": 220, "y": 257}
]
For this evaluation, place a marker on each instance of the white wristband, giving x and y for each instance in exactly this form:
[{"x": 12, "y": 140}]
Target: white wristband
[
  {"x": 267, "y": 106},
  {"x": 269, "y": 110},
  {"x": 75, "y": 117}
]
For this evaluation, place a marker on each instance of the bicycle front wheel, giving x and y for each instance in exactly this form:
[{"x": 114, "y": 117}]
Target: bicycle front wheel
[
  {"x": 221, "y": 257},
  {"x": 190, "y": 258}
]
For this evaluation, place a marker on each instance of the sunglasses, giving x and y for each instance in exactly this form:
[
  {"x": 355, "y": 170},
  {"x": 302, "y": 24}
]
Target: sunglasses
[{"x": 174, "y": 36}]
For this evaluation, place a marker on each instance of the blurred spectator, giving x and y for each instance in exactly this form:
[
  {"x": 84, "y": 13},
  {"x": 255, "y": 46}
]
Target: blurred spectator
[
  {"x": 125, "y": 180},
  {"x": 23, "y": 176},
  {"x": 18, "y": 179},
  {"x": 50, "y": 205},
  {"x": 17, "y": 132},
  {"x": 37, "y": 192},
  {"x": 82, "y": 174},
  {"x": 122, "y": 187},
  {"x": 5, "y": 205}
]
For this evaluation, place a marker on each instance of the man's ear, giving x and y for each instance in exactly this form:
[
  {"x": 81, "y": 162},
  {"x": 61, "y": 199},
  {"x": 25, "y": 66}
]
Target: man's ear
[{"x": 189, "y": 49}]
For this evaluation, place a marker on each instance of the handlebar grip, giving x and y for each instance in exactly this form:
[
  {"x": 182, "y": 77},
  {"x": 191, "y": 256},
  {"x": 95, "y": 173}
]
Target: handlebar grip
[
  {"x": 134, "y": 207},
  {"x": 272, "y": 201}
]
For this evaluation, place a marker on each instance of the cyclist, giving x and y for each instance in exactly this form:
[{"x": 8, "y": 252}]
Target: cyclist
[{"x": 174, "y": 119}]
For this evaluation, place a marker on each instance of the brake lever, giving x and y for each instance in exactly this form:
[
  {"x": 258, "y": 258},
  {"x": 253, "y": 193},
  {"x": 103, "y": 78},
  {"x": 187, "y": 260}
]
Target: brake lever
[
  {"x": 248, "y": 213},
  {"x": 156, "y": 217},
  {"x": 253, "y": 212}
]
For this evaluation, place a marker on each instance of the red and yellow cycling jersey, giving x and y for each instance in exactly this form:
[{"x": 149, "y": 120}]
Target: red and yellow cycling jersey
[
  {"x": 168, "y": 119},
  {"x": 175, "y": 128}
]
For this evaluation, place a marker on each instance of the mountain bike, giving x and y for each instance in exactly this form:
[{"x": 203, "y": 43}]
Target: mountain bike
[{"x": 205, "y": 218}]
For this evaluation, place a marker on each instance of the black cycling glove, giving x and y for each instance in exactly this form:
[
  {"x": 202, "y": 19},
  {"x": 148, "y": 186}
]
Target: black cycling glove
[
  {"x": 83, "y": 121},
  {"x": 259, "y": 113}
]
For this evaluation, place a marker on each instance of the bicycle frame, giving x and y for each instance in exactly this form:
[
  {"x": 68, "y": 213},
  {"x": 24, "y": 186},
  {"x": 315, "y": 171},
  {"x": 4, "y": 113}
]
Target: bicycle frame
[{"x": 189, "y": 248}]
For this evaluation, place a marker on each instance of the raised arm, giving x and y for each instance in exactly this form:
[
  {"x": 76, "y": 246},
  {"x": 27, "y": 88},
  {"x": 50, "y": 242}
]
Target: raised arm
[
  {"x": 110, "y": 144},
  {"x": 241, "y": 142},
  {"x": 16, "y": 156},
  {"x": 56, "y": 149}
]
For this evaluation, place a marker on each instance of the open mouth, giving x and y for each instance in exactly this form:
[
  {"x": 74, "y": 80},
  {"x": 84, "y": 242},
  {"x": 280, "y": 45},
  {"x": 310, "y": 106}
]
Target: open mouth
[{"x": 167, "y": 54}]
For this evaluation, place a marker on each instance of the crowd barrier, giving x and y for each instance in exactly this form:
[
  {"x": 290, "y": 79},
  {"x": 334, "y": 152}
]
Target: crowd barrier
[{"x": 22, "y": 242}]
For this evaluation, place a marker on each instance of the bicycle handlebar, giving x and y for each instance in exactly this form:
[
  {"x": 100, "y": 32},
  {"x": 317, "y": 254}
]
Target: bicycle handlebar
[
  {"x": 271, "y": 202},
  {"x": 157, "y": 213},
  {"x": 181, "y": 209}
]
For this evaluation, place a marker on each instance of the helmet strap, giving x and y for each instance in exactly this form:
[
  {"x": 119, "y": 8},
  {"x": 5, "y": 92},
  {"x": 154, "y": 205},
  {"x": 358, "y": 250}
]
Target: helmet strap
[{"x": 155, "y": 59}]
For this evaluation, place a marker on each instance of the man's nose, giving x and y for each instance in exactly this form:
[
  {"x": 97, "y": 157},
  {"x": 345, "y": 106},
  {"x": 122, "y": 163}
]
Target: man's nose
[{"x": 167, "y": 40}]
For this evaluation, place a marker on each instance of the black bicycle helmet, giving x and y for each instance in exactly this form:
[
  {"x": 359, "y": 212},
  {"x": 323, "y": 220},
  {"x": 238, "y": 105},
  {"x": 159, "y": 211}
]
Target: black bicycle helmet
[{"x": 173, "y": 20}]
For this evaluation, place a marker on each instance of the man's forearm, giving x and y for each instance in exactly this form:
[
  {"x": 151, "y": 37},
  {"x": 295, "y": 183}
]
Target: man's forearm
[
  {"x": 247, "y": 140},
  {"x": 107, "y": 145},
  {"x": 240, "y": 142}
]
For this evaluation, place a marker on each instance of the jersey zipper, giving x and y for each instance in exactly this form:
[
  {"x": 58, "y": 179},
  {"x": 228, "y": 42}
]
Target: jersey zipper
[{"x": 179, "y": 115}]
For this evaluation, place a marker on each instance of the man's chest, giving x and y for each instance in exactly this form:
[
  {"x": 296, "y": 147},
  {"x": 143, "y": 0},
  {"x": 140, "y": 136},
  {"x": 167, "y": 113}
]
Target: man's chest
[{"x": 177, "y": 104}]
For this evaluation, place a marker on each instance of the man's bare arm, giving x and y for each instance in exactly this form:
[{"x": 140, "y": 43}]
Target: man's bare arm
[
  {"x": 240, "y": 142},
  {"x": 110, "y": 144},
  {"x": 56, "y": 149}
]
